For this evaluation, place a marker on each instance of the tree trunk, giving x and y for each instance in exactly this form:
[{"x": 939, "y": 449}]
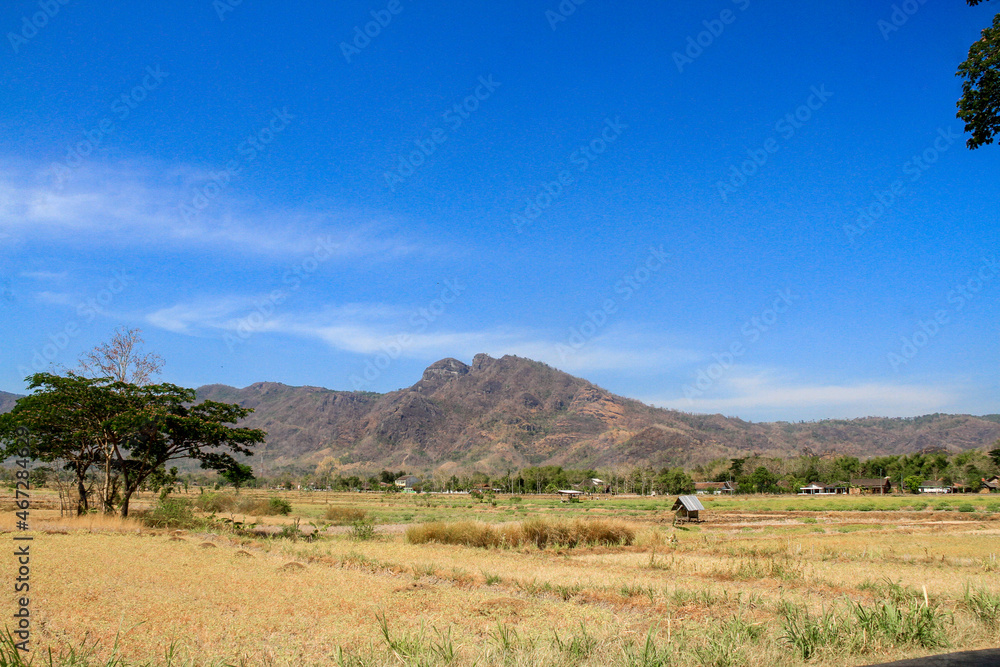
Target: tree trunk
[
  {"x": 81, "y": 503},
  {"x": 126, "y": 495}
]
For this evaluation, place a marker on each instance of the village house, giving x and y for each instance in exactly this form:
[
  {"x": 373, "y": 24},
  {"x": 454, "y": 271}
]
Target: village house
[
  {"x": 877, "y": 486},
  {"x": 935, "y": 486},
  {"x": 817, "y": 489},
  {"x": 593, "y": 485},
  {"x": 407, "y": 482},
  {"x": 991, "y": 485},
  {"x": 715, "y": 488}
]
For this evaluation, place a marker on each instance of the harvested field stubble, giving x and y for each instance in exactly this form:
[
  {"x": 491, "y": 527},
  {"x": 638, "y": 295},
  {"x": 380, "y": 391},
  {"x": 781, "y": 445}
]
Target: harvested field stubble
[{"x": 742, "y": 588}]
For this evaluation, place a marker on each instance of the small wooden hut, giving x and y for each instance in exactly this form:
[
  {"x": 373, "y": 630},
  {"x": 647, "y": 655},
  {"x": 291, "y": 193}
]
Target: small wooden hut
[{"x": 687, "y": 508}]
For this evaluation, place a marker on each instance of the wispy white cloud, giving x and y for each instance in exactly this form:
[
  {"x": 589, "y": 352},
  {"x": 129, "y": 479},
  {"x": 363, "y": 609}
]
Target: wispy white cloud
[
  {"x": 198, "y": 317},
  {"x": 142, "y": 205},
  {"x": 368, "y": 329},
  {"x": 768, "y": 392}
]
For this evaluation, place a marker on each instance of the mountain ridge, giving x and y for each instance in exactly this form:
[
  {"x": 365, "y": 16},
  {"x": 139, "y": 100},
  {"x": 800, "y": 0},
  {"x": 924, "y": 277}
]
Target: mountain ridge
[{"x": 513, "y": 412}]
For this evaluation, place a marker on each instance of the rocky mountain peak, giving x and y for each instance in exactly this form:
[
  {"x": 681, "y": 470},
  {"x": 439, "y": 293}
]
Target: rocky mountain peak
[
  {"x": 446, "y": 369},
  {"x": 482, "y": 361}
]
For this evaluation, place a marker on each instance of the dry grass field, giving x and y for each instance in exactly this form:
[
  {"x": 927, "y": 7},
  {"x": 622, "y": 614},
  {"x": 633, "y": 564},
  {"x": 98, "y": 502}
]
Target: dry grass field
[{"x": 761, "y": 582}]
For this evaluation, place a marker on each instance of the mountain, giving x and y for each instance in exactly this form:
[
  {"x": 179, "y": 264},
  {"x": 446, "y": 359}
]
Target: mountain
[
  {"x": 7, "y": 401},
  {"x": 513, "y": 412}
]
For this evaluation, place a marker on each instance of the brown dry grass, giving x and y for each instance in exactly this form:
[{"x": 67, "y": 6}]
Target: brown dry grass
[{"x": 709, "y": 594}]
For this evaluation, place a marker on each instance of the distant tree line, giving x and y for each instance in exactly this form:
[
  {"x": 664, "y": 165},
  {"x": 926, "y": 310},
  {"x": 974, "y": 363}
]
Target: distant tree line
[{"x": 749, "y": 474}]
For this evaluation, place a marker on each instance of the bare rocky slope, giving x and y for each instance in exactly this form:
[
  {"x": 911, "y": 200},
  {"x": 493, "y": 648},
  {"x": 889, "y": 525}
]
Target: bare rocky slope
[{"x": 512, "y": 412}]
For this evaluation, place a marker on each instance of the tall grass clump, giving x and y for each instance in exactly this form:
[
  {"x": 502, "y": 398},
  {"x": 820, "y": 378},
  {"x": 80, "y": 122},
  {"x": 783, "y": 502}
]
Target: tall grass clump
[
  {"x": 540, "y": 532},
  {"x": 807, "y": 633},
  {"x": 861, "y": 629},
  {"x": 892, "y": 625},
  {"x": 344, "y": 516},
  {"x": 725, "y": 646},
  {"x": 984, "y": 605}
]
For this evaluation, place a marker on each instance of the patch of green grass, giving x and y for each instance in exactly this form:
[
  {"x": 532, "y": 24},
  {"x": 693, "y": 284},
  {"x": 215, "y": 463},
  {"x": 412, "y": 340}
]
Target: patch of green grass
[{"x": 984, "y": 605}]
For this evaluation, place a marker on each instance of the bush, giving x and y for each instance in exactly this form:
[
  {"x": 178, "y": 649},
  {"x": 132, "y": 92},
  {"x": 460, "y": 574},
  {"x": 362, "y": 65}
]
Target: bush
[
  {"x": 363, "y": 530},
  {"x": 216, "y": 502},
  {"x": 344, "y": 516},
  {"x": 966, "y": 507},
  {"x": 262, "y": 507},
  {"x": 169, "y": 513},
  {"x": 277, "y": 505}
]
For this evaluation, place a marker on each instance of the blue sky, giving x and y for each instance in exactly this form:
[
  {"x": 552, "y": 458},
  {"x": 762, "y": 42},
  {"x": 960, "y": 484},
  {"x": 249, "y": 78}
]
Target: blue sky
[{"x": 760, "y": 209}]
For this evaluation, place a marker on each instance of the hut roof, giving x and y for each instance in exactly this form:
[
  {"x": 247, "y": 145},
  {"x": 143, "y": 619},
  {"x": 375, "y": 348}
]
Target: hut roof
[{"x": 690, "y": 503}]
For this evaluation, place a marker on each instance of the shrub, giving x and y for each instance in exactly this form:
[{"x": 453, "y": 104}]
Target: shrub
[
  {"x": 362, "y": 530},
  {"x": 262, "y": 506},
  {"x": 216, "y": 502},
  {"x": 344, "y": 516},
  {"x": 966, "y": 507},
  {"x": 277, "y": 505},
  {"x": 169, "y": 513}
]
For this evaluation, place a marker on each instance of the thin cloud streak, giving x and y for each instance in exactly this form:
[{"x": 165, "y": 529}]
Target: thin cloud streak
[
  {"x": 134, "y": 206},
  {"x": 769, "y": 391},
  {"x": 367, "y": 329}
]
